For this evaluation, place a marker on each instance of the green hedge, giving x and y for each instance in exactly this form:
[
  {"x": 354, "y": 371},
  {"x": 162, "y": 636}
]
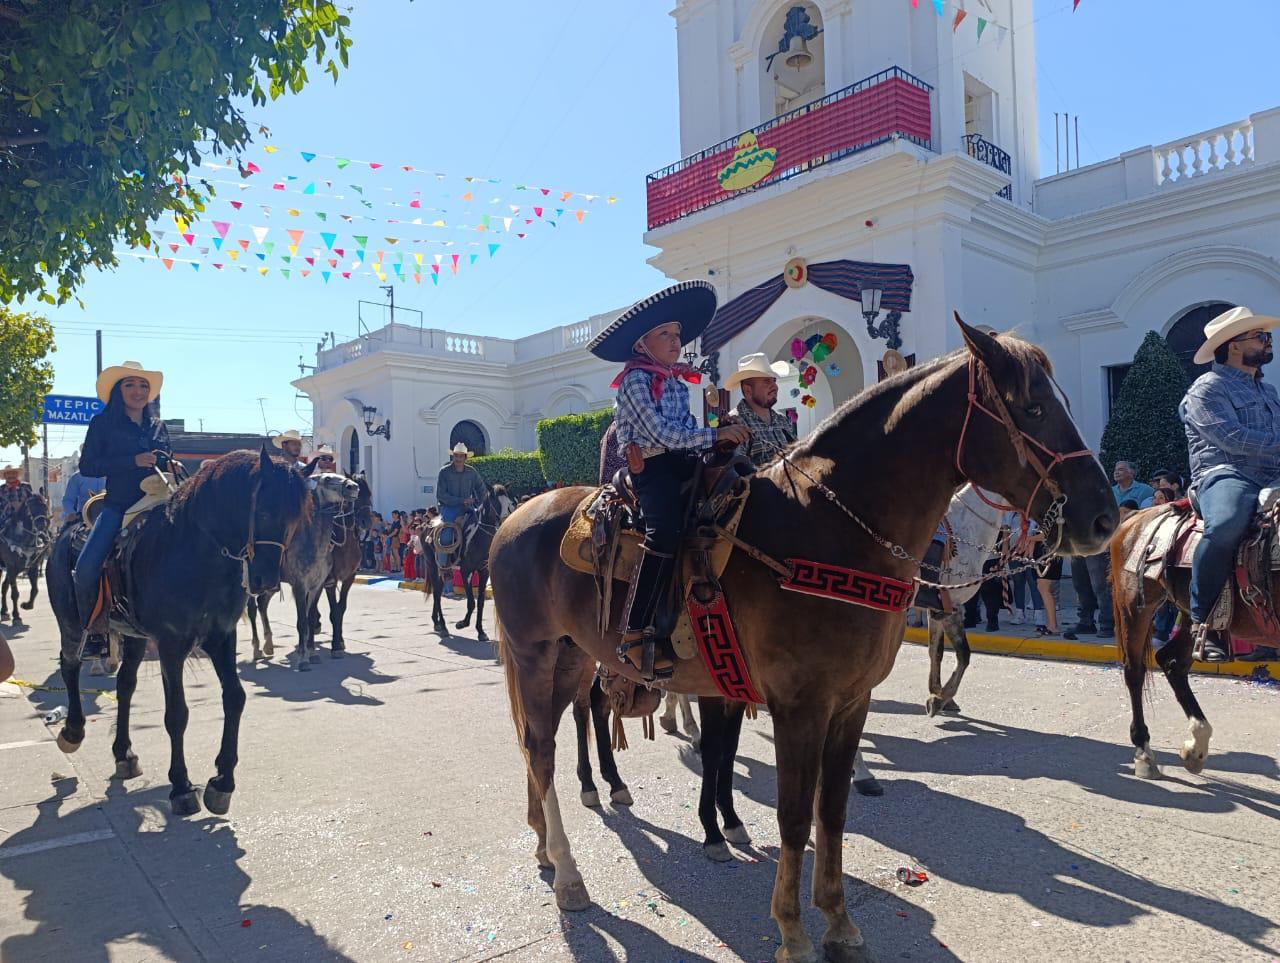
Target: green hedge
[
  {"x": 1145, "y": 429},
  {"x": 570, "y": 446},
  {"x": 519, "y": 471}
]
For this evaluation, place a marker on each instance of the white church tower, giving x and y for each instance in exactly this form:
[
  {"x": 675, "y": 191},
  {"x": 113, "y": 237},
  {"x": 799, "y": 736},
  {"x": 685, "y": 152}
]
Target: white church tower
[{"x": 845, "y": 146}]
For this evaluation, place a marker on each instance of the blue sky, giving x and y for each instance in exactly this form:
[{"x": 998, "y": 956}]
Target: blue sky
[{"x": 572, "y": 96}]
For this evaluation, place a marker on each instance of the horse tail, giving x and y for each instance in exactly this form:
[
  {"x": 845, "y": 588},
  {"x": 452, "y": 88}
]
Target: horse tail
[
  {"x": 1124, "y": 600},
  {"x": 518, "y": 715}
]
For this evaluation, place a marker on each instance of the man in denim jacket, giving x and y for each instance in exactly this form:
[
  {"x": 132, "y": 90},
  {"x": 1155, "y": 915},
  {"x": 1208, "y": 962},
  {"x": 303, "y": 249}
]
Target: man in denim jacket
[{"x": 1232, "y": 420}]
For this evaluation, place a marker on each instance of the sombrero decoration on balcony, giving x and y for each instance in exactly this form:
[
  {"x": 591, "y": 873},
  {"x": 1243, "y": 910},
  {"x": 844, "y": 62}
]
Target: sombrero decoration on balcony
[
  {"x": 751, "y": 164},
  {"x": 691, "y": 303}
]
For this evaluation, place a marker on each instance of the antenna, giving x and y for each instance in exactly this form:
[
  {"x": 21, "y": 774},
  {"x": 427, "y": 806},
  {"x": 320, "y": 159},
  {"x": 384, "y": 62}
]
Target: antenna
[{"x": 263, "y": 409}]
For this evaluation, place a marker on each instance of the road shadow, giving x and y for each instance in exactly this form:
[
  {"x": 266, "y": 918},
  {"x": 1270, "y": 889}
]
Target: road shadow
[
  {"x": 342, "y": 681},
  {"x": 193, "y": 864}
]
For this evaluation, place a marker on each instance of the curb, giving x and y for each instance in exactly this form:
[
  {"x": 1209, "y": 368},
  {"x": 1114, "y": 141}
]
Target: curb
[
  {"x": 1063, "y": 650},
  {"x": 418, "y": 586}
]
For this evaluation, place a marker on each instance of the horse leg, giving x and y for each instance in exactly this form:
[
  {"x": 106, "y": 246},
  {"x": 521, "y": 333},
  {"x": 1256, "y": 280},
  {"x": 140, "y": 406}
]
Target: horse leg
[
  {"x": 11, "y": 583},
  {"x": 714, "y": 725},
  {"x": 668, "y": 718},
  {"x": 800, "y": 735},
  {"x": 484, "y": 583},
  {"x": 734, "y": 831},
  {"x": 127, "y": 766},
  {"x": 182, "y": 795},
  {"x": 1133, "y": 638},
  {"x": 471, "y": 601},
  {"x": 33, "y": 576},
  {"x": 936, "y": 640},
  {"x": 953, "y": 628},
  {"x": 619, "y": 794},
  {"x": 251, "y": 612},
  {"x": 72, "y": 733},
  {"x": 337, "y": 613},
  {"x": 581, "y": 714},
  {"x": 1177, "y": 669},
  {"x": 690, "y": 724},
  {"x": 217, "y": 792},
  {"x": 315, "y": 619},
  {"x": 305, "y": 640},
  {"x": 864, "y": 780},
  {"x": 842, "y": 942},
  {"x": 268, "y": 643}
]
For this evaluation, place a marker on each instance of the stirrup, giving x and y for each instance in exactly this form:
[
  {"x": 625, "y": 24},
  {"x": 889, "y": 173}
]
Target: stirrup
[
  {"x": 648, "y": 643},
  {"x": 1203, "y": 650}
]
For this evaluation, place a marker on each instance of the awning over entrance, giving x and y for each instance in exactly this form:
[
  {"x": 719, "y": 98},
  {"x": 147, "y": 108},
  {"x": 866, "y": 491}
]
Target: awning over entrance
[{"x": 843, "y": 278}]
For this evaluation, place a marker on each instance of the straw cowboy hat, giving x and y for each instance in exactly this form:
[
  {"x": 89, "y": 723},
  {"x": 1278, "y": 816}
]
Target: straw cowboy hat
[
  {"x": 128, "y": 369},
  {"x": 1228, "y": 325},
  {"x": 460, "y": 449},
  {"x": 756, "y": 366},
  {"x": 692, "y": 303},
  {"x": 290, "y": 435},
  {"x": 9, "y": 471},
  {"x": 323, "y": 449}
]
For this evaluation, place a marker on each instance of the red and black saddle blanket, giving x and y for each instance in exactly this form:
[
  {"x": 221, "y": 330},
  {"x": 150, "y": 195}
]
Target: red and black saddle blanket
[{"x": 718, "y": 642}]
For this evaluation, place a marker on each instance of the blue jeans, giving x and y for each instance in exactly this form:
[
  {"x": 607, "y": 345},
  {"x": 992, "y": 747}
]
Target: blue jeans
[
  {"x": 1227, "y": 503},
  {"x": 450, "y": 514},
  {"x": 92, "y": 557}
]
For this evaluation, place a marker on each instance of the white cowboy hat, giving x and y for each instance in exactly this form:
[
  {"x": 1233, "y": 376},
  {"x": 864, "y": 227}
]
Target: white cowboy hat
[
  {"x": 290, "y": 435},
  {"x": 128, "y": 369},
  {"x": 460, "y": 449},
  {"x": 756, "y": 366},
  {"x": 323, "y": 449},
  {"x": 1228, "y": 325}
]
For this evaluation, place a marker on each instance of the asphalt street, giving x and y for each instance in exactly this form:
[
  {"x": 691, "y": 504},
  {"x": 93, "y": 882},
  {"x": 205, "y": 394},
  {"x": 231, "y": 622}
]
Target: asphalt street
[{"x": 380, "y": 806}]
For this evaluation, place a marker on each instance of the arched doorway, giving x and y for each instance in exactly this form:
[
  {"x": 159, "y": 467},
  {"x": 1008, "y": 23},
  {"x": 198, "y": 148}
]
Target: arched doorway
[
  {"x": 1187, "y": 334},
  {"x": 471, "y": 435},
  {"x": 351, "y": 445},
  {"x": 839, "y": 375}
]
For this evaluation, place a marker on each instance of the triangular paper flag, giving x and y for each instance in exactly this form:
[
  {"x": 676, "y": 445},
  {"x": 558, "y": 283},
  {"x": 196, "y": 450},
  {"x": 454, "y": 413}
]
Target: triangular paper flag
[
  {"x": 468, "y": 196},
  {"x": 237, "y": 204},
  {"x": 293, "y": 249},
  {"x": 415, "y": 203},
  {"x": 493, "y": 248},
  {"x": 203, "y": 250},
  {"x": 611, "y": 200},
  {"x": 269, "y": 246},
  {"x": 982, "y": 25},
  {"x": 417, "y": 279},
  {"x": 234, "y": 255},
  {"x": 455, "y": 262},
  {"x": 295, "y": 235},
  {"x": 473, "y": 258},
  {"x": 329, "y": 238},
  {"x": 437, "y": 224},
  {"x": 418, "y": 258},
  {"x": 937, "y": 5},
  {"x": 310, "y": 260},
  {"x": 270, "y": 149},
  {"x": 960, "y": 15},
  {"x": 333, "y": 262},
  {"x": 294, "y": 212},
  {"x": 345, "y": 274},
  {"x": 260, "y": 256},
  {"x": 341, "y": 252},
  {"x": 392, "y": 240},
  {"x": 309, "y": 189},
  {"x": 222, "y": 227},
  {"x": 252, "y": 168},
  {"x": 218, "y": 266},
  {"x": 263, "y": 271},
  {"x": 260, "y": 232},
  {"x": 322, "y": 215},
  {"x": 373, "y": 166},
  {"x": 287, "y": 258},
  {"x": 545, "y": 191},
  {"x": 435, "y": 279},
  {"x": 168, "y": 263},
  {"x": 537, "y": 212},
  {"x": 435, "y": 269},
  {"x": 244, "y": 244},
  {"x": 308, "y": 157},
  {"x": 566, "y": 195},
  {"x": 506, "y": 223},
  {"x": 173, "y": 248},
  {"x": 195, "y": 265},
  {"x": 325, "y": 275},
  {"x": 579, "y": 215},
  {"x": 285, "y": 272},
  {"x": 343, "y": 162},
  {"x": 362, "y": 240},
  {"x": 305, "y": 272}
]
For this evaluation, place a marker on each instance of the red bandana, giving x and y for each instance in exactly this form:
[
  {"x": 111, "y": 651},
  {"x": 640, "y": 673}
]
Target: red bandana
[{"x": 660, "y": 374}]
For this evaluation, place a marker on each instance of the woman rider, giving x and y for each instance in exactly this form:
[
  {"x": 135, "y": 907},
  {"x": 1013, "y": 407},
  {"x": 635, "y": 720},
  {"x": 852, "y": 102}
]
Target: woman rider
[
  {"x": 123, "y": 445},
  {"x": 656, "y": 430}
]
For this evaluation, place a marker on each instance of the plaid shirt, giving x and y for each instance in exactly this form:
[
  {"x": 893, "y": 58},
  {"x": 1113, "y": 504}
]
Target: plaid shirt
[
  {"x": 1232, "y": 421},
  {"x": 767, "y": 437},
  {"x": 657, "y": 426}
]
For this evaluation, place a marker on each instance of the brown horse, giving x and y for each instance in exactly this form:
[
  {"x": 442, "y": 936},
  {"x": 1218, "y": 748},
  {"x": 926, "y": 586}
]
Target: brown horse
[
  {"x": 989, "y": 414},
  {"x": 1135, "y": 601}
]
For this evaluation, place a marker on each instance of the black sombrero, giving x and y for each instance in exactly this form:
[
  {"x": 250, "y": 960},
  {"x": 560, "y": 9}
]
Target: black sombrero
[{"x": 692, "y": 303}]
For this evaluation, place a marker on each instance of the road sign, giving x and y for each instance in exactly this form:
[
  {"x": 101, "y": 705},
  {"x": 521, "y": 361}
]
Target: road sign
[{"x": 69, "y": 409}]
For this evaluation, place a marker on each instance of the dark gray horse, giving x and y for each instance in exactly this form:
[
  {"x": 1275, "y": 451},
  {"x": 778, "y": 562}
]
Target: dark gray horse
[
  {"x": 478, "y": 529},
  {"x": 24, "y": 543}
]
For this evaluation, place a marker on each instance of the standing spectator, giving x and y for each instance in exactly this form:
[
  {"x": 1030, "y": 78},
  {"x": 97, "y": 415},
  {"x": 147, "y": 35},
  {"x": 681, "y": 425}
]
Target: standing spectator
[
  {"x": 1169, "y": 482},
  {"x": 1089, "y": 574},
  {"x": 1048, "y": 576},
  {"x": 79, "y": 489},
  {"x": 1127, "y": 486}
]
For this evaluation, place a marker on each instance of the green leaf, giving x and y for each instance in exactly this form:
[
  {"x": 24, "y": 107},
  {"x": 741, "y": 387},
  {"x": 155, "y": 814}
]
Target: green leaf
[{"x": 30, "y": 182}]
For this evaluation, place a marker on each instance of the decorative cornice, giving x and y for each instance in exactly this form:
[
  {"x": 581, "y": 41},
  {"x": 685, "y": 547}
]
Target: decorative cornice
[
  {"x": 740, "y": 54},
  {"x": 1091, "y": 321}
]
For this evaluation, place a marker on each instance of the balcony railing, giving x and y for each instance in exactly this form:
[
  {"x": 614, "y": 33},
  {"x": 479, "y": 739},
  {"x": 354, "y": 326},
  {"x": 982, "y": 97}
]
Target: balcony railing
[
  {"x": 1220, "y": 149},
  {"x": 988, "y": 153},
  {"x": 891, "y": 104}
]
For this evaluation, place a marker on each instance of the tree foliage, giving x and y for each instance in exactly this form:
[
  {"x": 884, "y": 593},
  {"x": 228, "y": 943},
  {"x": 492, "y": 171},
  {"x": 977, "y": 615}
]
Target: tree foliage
[
  {"x": 26, "y": 341},
  {"x": 569, "y": 446},
  {"x": 1145, "y": 429},
  {"x": 518, "y": 471},
  {"x": 105, "y": 108}
]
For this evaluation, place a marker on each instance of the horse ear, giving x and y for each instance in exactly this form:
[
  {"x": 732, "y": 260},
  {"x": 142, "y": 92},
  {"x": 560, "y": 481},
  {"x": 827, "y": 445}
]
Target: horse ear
[
  {"x": 311, "y": 467},
  {"x": 983, "y": 346},
  {"x": 265, "y": 458}
]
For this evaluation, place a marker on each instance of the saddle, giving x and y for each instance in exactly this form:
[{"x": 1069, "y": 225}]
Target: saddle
[
  {"x": 606, "y": 532},
  {"x": 155, "y": 491},
  {"x": 1169, "y": 541}
]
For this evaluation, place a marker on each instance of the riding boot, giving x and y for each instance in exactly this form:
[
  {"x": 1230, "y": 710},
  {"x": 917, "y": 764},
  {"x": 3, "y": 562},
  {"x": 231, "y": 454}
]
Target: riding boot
[
  {"x": 1206, "y": 645},
  {"x": 640, "y": 645},
  {"x": 91, "y": 645}
]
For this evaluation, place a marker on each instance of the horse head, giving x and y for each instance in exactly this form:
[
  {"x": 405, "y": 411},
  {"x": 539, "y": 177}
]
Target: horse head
[
  {"x": 27, "y": 528},
  {"x": 363, "y": 506},
  {"x": 1020, "y": 441},
  {"x": 332, "y": 492},
  {"x": 497, "y": 505}
]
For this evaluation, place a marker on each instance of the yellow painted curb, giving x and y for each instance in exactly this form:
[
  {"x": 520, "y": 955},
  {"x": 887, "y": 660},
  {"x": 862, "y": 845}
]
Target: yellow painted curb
[
  {"x": 417, "y": 586},
  {"x": 1064, "y": 650}
]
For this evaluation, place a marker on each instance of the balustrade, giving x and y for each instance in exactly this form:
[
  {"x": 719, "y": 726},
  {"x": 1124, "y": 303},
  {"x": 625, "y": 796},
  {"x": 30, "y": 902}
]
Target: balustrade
[{"x": 1209, "y": 152}]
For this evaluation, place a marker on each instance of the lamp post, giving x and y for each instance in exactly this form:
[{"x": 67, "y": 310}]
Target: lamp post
[
  {"x": 384, "y": 429},
  {"x": 886, "y": 329}
]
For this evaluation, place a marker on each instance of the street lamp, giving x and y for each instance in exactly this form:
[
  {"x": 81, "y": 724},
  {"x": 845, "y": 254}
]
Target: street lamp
[
  {"x": 384, "y": 429},
  {"x": 888, "y": 328}
]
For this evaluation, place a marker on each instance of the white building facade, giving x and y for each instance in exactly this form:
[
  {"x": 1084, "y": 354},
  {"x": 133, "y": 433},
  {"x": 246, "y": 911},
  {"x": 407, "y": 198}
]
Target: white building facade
[{"x": 859, "y": 168}]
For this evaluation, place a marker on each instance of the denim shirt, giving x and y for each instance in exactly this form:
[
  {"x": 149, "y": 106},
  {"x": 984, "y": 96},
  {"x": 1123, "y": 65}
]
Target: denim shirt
[{"x": 1232, "y": 420}]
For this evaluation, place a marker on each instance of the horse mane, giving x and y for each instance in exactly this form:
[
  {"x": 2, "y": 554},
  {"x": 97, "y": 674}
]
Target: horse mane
[
  {"x": 223, "y": 488},
  {"x": 908, "y": 388}
]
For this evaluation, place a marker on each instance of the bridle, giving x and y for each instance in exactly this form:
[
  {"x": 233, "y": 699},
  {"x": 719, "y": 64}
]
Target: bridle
[
  {"x": 980, "y": 377},
  {"x": 246, "y": 554}
]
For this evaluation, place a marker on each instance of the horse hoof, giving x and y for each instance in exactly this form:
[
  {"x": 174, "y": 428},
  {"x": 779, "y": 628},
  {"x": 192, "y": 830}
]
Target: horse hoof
[
  {"x": 717, "y": 852},
  {"x": 216, "y": 801},
  {"x": 843, "y": 952},
  {"x": 268, "y": 650},
  {"x": 622, "y": 797},
  {"x": 1192, "y": 760},
  {"x": 97, "y": 667},
  {"x": 543, "y": 860},
  {"x": 66, "y": 744},
  {"x": 481, "y": 637},
  {"x": 932, "y": 706},
  {"x": 313, "y": 657},
  {"x": 1146, "y": 769},
  {"x": 668, "y": 725},
  {"x": 737, "y": 835},
  {"x": 339, "y": 653},
  {"x": 868, "y": 787},
  {"x": 572, "y": 897},
  {"x": 951, "y": 708},
  {"x": 591, "y": 799},
  {"x": 304, "y": 665},
  {"x": 128, "y": 767},
  {"x": 187, "y": 804},
  {"x": 460, "y": 625}
]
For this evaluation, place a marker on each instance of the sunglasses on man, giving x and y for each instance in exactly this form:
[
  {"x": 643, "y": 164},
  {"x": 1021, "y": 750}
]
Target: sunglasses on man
[{"x": 1263, "y": 336}]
